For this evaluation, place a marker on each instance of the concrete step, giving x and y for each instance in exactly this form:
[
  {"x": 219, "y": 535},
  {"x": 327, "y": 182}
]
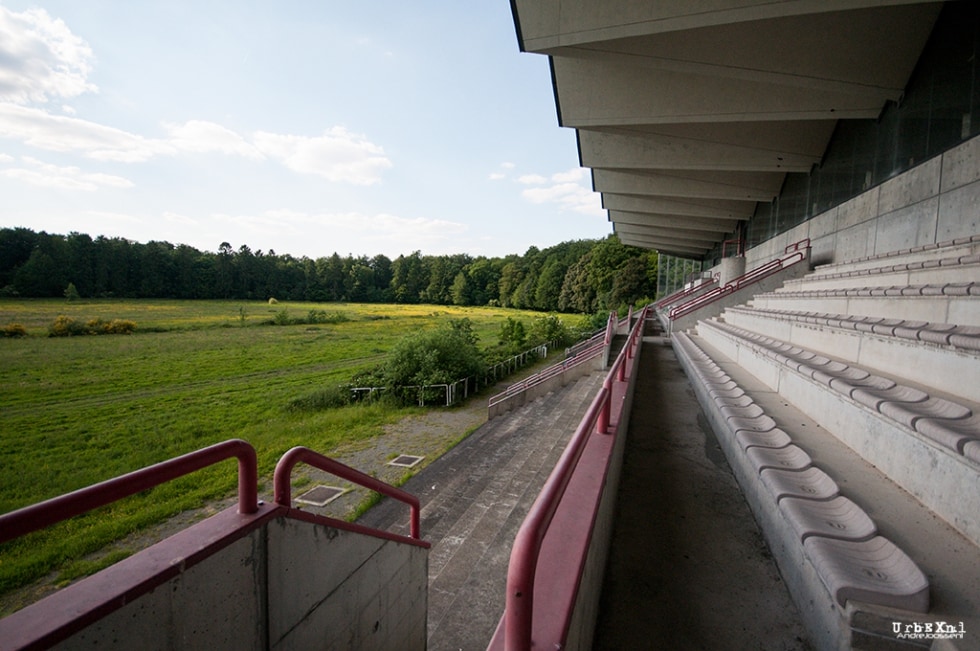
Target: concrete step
[
  {"x": 923, "y": 440},
  {"x": 962, "y": 248},
  {"x": 937, "y": 355},
  {"x": 953, "y": 303},
  {"x": 474, "y": 499},
  {"x": 474, "y": 578},
  {"x": 932, "y": 272},
  {"x": 949, "y": 559}
]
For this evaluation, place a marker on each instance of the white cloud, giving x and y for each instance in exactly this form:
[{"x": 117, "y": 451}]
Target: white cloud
[
  {"x": 181, "y": 220},
  {"x": 532, "y": 179},
  {"x": 571, "y": 176},
  {"x": 200, "y": 136},
  {"x": 40, "y": 59},
  {"x": 568, "y": 196},
  {"x": 66, "y": 178},
  {"x": 377, "y": 233},
  {"x": 6, "y": 158},
  {"x": 337, "y": 155},
  {"x": 112, "y": 217},
  {"x": 497, "y": 176},
  {"x": 40, "y": 129}
]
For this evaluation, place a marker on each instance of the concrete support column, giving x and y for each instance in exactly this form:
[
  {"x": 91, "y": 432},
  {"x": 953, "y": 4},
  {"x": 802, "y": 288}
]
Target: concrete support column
[{"x": 730, "y": 269}]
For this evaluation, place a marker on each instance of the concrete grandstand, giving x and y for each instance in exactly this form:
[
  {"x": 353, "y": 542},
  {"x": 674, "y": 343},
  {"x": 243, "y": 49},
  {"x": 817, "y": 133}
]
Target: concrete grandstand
[{"x": 819, "y": 159}]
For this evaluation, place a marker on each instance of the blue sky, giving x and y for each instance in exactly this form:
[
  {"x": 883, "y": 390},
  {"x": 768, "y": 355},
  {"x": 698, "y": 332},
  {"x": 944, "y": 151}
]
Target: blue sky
[{"x": 298, "y": 126}]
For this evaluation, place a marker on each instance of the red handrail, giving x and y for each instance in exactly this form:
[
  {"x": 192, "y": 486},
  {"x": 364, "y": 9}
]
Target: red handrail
[
  {"x": 43, "y": 514},
  {"x": 519, "y": 608},
  {"x": 793, "y": 254},
  {"x": 284, "y": 469},
  {"x": 676, "y": 296}
]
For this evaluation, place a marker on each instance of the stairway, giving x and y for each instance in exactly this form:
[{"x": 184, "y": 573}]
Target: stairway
[
  {"x": 856, "y": 386},
  {"x": 474, "y": 499}
]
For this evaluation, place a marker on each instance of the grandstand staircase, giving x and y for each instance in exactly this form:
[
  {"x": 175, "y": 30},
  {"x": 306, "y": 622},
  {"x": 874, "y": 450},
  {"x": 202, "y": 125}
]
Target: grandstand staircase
[
  {"x": 848, "y": 405},
  {"x": 474, "y": 498}
]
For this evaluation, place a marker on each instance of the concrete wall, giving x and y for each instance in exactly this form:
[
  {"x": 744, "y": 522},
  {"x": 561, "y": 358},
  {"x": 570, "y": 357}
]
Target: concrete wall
[
  {"x": 334, "y": 589},
  {"x": 520, "y": 398},
  {"x": 582, "y": 626},
  {"x": 218, "y": 603},
  {"x": 291, "y": 584},
  {"x": 936, "y": 201}
]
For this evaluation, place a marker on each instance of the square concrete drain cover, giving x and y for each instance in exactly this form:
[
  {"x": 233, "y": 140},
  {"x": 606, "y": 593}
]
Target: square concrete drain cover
[
  {"x": 405, "y": 461},
  {"x": 321, "y": 495}
]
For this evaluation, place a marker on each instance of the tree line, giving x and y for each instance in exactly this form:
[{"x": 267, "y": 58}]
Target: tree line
[{"x": 582, "y": 276}]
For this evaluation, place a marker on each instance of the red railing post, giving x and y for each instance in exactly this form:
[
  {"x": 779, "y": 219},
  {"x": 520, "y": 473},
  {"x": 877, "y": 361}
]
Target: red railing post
[
  {"x": 38, "y": 516},
  {"x": 283, "y": 489},
  {"x": 519, "y": 608}
]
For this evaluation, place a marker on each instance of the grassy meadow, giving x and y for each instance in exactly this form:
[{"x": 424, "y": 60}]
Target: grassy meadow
[{"x": 78, "y": 410}]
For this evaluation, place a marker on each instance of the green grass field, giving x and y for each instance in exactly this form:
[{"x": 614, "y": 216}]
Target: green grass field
[{"x": 78, "y": 410}]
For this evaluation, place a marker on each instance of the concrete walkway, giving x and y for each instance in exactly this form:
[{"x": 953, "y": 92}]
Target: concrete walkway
[
  {"x": 688, "y": 567},
  {"x": 474, "y": 498}
]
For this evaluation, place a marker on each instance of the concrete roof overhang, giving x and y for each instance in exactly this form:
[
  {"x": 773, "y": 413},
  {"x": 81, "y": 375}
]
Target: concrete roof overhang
[{"x": 690, "y": 112}]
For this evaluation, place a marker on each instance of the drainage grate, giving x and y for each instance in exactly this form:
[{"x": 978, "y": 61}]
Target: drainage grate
[
  {"x": 321, "y": 495},
  {"x": 405, "y": 461}
]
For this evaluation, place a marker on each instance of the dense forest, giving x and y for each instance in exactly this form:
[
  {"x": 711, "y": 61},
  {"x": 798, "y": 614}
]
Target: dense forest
[{"x": 578, "y": 276}]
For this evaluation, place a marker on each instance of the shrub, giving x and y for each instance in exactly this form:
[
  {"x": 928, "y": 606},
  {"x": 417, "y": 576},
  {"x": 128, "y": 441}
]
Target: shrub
[
  {"x": 512, "y": 335},
  {"x": 71, "y": 293},
  {"x": 119, "y": 327},
  {"x": 281, "y": 317},
  {"x": 14, "y": 330},
  {"x": 550, "y": 328},
  {"x": 65, "y": 326},
  {"x": 439, "y": 356}
]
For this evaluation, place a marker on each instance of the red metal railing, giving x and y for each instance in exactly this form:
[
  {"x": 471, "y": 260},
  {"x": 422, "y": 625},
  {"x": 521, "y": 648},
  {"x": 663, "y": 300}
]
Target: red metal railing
[
  {"x": 519, "y": 608},
  {"x": 792, "y": 254},
  {"x": 38, "y": 516},
  {"x": 684, "y": 293},
  {"x": 583, "y": 352},
  {"x": 284, "y": 469}
]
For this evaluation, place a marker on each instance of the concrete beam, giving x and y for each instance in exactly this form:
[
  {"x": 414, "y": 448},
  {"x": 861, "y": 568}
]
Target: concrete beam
[
  {"x": 678, "y": 234},
  {"x": 717, "y": 208},
  {"x": 685, "y": 222},
  {"x": 667, "y": 248},
  {"x": 603, "y": 91},
  {"x": 546, "y": 25},
  {"x": 695, "y": 147},
  {"x": 700, "y": 242},
  {"x": 742, "y": 186}
]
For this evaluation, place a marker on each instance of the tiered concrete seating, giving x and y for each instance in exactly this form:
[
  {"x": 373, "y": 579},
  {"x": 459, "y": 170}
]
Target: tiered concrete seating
[{"x": 848, "y": 404}]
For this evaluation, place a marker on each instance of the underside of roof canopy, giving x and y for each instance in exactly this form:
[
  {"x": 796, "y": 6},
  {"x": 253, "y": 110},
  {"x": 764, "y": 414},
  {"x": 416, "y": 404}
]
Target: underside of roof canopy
[{"x": 690, "y": 112}]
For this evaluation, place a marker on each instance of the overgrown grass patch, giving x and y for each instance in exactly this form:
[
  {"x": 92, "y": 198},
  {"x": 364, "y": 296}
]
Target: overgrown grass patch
[{"x": 79, "y": 410}]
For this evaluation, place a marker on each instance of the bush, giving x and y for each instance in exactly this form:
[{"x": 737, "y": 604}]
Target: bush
[
  {"x": 512, "y": 335},
  {"x": 119, "y": 327},
  {"x": 281, "y": 317},
  {"x": 439, "y": 356},
  {"x": 550, "y": 328},
  {"x": 320, "y": 316},
  {"x": 14, "y": 330},
  {"x": 65, "y": 326},
  {"x": 71, "y": 293}
]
